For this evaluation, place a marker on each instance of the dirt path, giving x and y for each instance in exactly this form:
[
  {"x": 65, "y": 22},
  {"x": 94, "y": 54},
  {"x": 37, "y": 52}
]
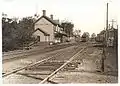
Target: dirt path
[{"x": 87, "y": 71}]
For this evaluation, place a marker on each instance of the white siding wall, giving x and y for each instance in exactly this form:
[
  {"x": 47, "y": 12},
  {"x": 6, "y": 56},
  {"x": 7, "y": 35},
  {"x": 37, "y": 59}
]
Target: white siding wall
[
  {"x": 38, "y": 33},
  {"x": 46, "y": 26}
]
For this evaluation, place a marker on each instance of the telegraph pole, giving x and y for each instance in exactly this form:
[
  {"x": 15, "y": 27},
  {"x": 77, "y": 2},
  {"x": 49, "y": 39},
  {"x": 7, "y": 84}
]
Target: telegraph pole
[
  {"x": 107, "y": 24},
  {"x": 112, "y": 22},
  {"x": 105, "y": 41},
  {"x": 103, "y": 53},
  {"x": 107, "y": 17},
  {"x": 36, "y": 14}
]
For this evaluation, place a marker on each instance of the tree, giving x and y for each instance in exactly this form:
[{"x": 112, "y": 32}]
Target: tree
[
  {"x": 85, "y": 34},
  {"x": 8, "y": 33},
  {"x": 77, "y": 33},
  {"x": 25, "y": 28},
  {"x": 93, "y": 35},
  {"x": 68, "y": 28},
  {"x": 15, "y": 34}
]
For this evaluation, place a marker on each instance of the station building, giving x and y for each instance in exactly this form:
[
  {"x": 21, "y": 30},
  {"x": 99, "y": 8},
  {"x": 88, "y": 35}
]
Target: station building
[{"x": 46, "y": 29}]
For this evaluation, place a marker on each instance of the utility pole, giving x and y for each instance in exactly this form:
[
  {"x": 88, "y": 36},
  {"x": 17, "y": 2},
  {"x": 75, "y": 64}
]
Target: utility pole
[
  {"x": 117, "y": 26},
  {"x": 107, "y": 24},
  {"x": 103, "y": 53},
  {"x": 112, "y": 22},
  {"x": 36, "y": 14},
  {"x": 105, "y": 41}
]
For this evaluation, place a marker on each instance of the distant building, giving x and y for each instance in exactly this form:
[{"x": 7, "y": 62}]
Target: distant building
[
  {"x": 111, "y": 36},
  {"x": 47, "y": 29}
]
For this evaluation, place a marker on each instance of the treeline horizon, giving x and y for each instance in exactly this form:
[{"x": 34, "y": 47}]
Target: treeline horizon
[{"x": 15, "y": 34}]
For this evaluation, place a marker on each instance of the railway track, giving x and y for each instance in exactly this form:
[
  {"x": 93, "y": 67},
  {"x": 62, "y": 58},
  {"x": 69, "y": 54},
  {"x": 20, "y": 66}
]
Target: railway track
[
  {"x": 30, "y": 65},
  {"x": 25, "y": 54},
  {"x": 62, "y": 66},
  {"x": 51, "y": 65}
]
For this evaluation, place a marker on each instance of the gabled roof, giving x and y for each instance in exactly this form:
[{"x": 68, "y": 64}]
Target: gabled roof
[
  {"x": 49, "y": 19},
  {"x": 111, "y": 29},
  {"x": 45, "y": 33}
]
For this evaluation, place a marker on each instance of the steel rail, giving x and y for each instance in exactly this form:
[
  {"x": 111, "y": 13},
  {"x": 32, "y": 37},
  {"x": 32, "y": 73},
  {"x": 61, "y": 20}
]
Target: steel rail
[
  {"x": 57, "y": 70},
  {"x": 38, "y": 78},
  {"x": 26, "y": 67},
  {"x": 32, "y": 52},
  {"x": 30, "y": 65}
]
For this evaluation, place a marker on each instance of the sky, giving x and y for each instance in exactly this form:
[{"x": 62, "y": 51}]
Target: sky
[{"x": 86, "y": 15}]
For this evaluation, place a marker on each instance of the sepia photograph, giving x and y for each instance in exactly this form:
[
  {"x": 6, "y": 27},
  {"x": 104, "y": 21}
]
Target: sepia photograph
[{"x": 60, "y": 41}]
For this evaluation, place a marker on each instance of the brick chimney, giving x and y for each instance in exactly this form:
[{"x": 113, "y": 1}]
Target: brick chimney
[
  {"x": 44, "y": 12},
  {"x": 51, "y": 16}
]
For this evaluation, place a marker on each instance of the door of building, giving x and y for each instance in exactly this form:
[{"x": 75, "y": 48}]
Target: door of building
[{"x": 38, "y": 38}]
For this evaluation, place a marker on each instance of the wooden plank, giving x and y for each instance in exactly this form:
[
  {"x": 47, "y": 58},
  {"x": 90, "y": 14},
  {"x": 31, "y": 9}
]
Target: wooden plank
[
  {"x": 32, "y": 73},
  {"x": 39, "y": 78},
  {"x": 73, "y": 57}
]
